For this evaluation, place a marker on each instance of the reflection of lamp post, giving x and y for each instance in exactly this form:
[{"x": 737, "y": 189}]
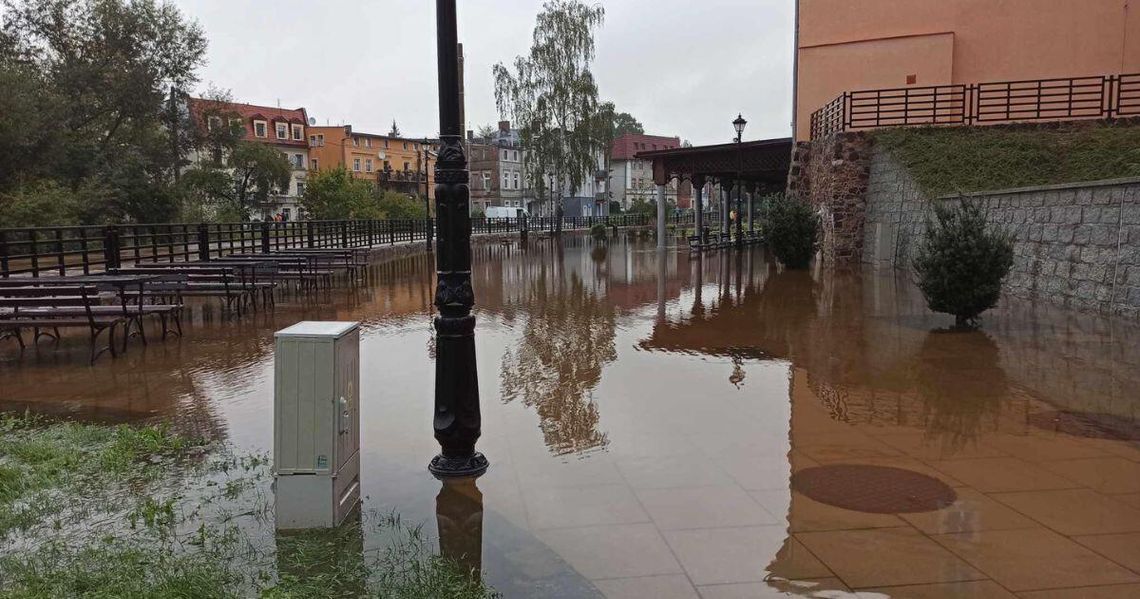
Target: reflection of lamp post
[
  {"x": 739, "y": 124},
  {"x": 457, "y": 420},
  {"x": 459, "y": 520}
]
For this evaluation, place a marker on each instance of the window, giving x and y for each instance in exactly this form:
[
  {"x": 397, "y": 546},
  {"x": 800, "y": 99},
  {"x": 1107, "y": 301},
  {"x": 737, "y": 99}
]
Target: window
[
  {"x": 286, "y": 212},
  {"x": 387, "y": 165},
  {"x": 282, "y": 131},
  {"x": 356, "y": 142},
  {"x": 299, "y": 161},
  {"x": 259, "y": 128},
  {"x": 368, "y": 142},
  {"x": 416, "y": 147},
  {"x": 517, "y": 180},
  {"x": 405, "y": 146},
  {"x": 236, "y": 125},
  {"x": 320, "y": 139},
  {"x": 300, "y": 189},
  {"x": 213, "y": 122},
  {"x": 312, "y": 140},
  {"x": 486, "y": 180},
  {"x": 506, "y": 180},
  {"x": 298, "y": 132},
  {"x": 406, "y": 164},
  {"x": 313, "y": 164},
  {"x": 504, "y": 154},
  {"x": 385, "y": 144},
  {"x": 368, "y": 165},
  {"x": 515, "y": 157},
  {"x": 356, "y": 164}
]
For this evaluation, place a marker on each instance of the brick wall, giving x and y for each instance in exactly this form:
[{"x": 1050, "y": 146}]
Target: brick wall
[
  {"x": 832, "y": 173},
  {"x": 1075, "y": 244}
]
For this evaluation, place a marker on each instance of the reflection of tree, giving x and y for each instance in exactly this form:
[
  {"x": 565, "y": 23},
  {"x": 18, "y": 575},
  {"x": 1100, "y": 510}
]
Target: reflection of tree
[
  {"x": 961, "y": 382},
  {"x": 567, "y": 340}
]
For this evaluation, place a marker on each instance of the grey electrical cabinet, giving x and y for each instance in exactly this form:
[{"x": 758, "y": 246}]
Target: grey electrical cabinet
[{"x": 316, "y": 424}]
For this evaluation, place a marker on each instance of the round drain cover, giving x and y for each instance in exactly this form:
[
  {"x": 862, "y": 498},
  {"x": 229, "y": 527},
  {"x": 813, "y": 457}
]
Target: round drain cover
[
  {"x": 1087, "y": 424},
  {"x": 874, "y": 489}
]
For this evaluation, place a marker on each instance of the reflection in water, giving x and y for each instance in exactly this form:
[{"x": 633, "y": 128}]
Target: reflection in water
[
  {"x": 962, "y": 385},
  {"x": 717, "y": 375},
  {"x": 459, "y": 518},
  {"x": 567, "y": 339}
]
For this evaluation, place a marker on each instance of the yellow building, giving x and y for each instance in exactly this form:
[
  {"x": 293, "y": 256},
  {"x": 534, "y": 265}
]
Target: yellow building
[{"x": 397, "y": 163}]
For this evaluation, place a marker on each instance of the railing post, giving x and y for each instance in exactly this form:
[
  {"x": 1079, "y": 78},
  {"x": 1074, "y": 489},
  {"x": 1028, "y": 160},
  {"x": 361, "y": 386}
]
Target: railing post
[
  {"x": 4, "y": 253},
  {"x": 265, "y": 237},
  {"x": 310, "y": 236},
  {"x": 343, "y": 233},
  {"x": 371, "y": 232},
  {"x": 203, "y": 242},
  {"x": 111, "y": 247},
  {"x": 391, "y": 232}
]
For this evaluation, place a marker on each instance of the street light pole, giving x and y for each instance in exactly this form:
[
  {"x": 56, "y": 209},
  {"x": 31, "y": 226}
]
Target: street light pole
[{"x": 457, "y": 420}]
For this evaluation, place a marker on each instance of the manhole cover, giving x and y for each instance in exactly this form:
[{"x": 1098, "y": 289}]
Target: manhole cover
[
  {"x": 1087, "y": 424},
  {"x": 874, "y": 489}
]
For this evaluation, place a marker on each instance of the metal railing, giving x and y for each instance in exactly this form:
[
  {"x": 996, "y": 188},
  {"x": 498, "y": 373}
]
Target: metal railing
[
  {"x": 1096, "y": 97},
  {"x": 86, "y": 249}
]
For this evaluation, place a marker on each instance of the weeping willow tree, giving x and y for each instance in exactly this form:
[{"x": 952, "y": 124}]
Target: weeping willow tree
[{"x": 552, "y": 96}]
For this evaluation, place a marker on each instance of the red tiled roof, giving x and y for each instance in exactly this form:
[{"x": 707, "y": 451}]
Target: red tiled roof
[
  {"x": 250, "y": 113},
  {"x": 625, "y": 147}
]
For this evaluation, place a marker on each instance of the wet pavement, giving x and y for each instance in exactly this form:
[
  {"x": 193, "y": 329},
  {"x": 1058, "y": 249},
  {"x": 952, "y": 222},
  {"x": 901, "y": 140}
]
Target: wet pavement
[{"x": 661, "y": 425}]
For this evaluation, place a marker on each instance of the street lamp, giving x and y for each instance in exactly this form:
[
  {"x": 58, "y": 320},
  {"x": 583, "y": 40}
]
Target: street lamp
[
  {"x": 457, "y": 421},
  {"x": 739, "y": 124}
]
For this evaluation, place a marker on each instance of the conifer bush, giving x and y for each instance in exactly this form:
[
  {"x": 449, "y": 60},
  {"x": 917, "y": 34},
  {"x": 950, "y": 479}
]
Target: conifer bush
[
  {"x": 791, "y": 227},
  {"x": 962, "y": 263},
  {"x": 598, "y": 231}
]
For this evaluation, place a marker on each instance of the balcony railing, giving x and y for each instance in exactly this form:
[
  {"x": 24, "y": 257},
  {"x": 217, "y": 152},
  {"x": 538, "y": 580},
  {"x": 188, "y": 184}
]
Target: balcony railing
[{"x": 1096, "y": 97}]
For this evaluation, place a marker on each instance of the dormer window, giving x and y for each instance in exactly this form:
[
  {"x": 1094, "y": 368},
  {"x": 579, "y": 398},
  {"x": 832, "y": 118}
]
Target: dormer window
[
  {"x": 282, "y": 131},
  {"x": 298, "y": 132},
  {"x": 368, "y": 142},
  {"x": 259, "y": 128},
  {"x": 356, "y": 143},
  {"x": 213, "y": 123},
  {"x": 235, "y": 126}
]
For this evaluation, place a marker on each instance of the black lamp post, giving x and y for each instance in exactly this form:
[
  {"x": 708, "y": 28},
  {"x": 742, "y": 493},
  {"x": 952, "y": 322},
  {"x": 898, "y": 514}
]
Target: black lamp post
[
  {"x": 739, "y": 124},
  {"x": 457, "y": 421}
]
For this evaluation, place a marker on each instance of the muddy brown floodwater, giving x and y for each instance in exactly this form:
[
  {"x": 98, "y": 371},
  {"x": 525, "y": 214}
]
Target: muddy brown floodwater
[{"x": 659, "y": 424}]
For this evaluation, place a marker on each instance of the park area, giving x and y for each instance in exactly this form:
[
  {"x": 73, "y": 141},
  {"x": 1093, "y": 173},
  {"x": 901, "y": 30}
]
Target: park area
[{"x": 659, "y": 423}]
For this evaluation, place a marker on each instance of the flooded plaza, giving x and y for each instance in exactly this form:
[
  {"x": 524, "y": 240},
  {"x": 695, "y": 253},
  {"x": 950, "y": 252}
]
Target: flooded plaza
[{"x": 661, "y": 424}]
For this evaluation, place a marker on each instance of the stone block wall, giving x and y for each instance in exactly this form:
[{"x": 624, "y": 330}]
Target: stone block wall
[
  {"x": 1075, "y": 244},
  {"x": 832, "y": 174}
]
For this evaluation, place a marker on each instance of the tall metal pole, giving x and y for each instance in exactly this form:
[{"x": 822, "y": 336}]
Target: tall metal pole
[{"x": 457, "y": 420}]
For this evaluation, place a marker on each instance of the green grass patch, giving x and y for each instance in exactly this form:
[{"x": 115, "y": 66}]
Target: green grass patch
[
  {"x": 41, "y": 460},
  {"x": 950, "y": 160},
  {"x": 99, "y": 511}
]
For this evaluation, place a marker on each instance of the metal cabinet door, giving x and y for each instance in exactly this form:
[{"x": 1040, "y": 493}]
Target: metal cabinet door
[{"x": 347, "y": 394}]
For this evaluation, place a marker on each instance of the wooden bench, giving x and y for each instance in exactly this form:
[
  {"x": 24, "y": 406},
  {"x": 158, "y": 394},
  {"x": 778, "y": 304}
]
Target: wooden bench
[
  {"x": 123, "y": 287},
  {"x": 55, "y": 307}
]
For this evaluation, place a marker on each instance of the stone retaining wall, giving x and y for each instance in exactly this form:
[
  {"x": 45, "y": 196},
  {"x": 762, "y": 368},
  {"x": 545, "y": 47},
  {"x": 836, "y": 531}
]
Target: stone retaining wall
[
  {"x": 1074, "y": 244},
  {"x": 832, "y": 174}
]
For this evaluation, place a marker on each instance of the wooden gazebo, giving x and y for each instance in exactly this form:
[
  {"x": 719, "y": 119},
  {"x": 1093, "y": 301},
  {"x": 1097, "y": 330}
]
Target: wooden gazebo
[{"x": 749, "y": 167}]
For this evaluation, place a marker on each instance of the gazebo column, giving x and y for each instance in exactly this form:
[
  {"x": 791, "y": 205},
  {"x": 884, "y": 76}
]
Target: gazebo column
[
  {"x": 698, "y": 183},
  {"x": 751, "y": 195},
  {"x": 725, "y": 206},
  {"x": 660, "y": 216}
]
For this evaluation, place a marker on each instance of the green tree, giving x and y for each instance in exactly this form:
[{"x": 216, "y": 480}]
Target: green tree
[
  {"x": 252, "y": 171},
  {"x": 552, "y": 96},
  {"x": 625, "y": 123},
  {"x": 398, "y": 206},
  {"x": 791, "y": 227},
  {"x": 961, "y": 263},
  {"x": 334, "y": 194}
]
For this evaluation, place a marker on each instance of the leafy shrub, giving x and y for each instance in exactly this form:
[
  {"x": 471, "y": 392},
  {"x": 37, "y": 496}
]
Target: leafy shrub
[
  {"x": 792, "y": 228},
  {"x": 962, "y": 263},
  {"x": 598, "y": 231}
]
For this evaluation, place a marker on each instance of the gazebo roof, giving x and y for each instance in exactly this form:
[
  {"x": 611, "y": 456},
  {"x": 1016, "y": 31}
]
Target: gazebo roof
[{"x": 762, "y": 161}]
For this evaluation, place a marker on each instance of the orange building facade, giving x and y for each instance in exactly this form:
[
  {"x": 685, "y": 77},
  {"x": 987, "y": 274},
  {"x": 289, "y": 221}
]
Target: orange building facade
[
  {"x": 848, "y": 45},
  {"x": 393, "y": 162}
]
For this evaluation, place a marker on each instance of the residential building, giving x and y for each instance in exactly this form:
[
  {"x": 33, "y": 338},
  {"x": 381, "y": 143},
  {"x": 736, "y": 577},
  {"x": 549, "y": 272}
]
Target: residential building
[
  {"x": 631, "y": 178},
  {"x": 843, "y": 45},
  {"x": 496, "y": 167},
  {"x": 402, "y": 164},
  {"x": 281, "y": 128}
]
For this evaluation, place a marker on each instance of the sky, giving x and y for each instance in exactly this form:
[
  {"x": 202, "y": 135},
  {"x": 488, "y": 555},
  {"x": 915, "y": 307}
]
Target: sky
[{"x": 682, "y": 67}]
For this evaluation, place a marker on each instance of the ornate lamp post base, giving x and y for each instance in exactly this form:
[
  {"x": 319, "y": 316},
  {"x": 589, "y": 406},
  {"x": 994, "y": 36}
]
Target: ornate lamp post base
[{"x": 442, "y": 466}]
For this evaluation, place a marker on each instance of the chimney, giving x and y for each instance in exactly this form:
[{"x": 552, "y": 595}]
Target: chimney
[{"x": 505, "y": 126}]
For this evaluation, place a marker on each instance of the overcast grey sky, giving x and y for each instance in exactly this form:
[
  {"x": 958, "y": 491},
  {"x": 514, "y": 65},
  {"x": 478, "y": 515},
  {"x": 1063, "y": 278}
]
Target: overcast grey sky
[{"x": 682, "y": 67}]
